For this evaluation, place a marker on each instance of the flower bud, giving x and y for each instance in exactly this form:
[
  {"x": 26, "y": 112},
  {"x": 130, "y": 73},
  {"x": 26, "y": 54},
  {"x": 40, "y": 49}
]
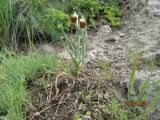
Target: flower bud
[
  {"x": 83, "y": 23},
  {"x": 74, "y": 18}
]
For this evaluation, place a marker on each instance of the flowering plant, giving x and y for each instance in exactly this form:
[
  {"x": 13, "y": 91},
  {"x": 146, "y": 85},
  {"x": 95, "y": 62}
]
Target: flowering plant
[{"x": 76, "y": 48}]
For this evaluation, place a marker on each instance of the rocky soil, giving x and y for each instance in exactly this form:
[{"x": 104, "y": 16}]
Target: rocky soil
[{"x": 141, "y": 31}]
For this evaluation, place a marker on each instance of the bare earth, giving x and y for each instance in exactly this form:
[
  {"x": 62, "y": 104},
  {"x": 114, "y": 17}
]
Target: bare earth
[{"x": 141, "y": 31}]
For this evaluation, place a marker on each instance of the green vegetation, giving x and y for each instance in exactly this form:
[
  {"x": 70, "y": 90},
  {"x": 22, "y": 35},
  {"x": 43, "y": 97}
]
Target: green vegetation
[
  {"x": 136, "y": 61},
  {"x": 6, "y": 16},
  {"x": 91, "y": 9},
  {"x": 88, "y": 8},
  {"x": 53, "y": 21},
  {"x": 104, "y": 65},
  {"x": 43, "y": 18},
  {"x": 88, "y": 94},
  {"x": 76, "y": 48},
  {"x": 77, "y": 116},
  {"x": 116, "y": 110},
  {"x": 143, "y": 90},
  {"x": 113, "y": 15},
  {"x": 14, "y": 72},
  {"x": 125, "y": 109}
]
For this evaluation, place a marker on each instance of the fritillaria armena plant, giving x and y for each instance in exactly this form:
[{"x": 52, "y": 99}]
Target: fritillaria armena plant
[{"x": 76, "y": 48}]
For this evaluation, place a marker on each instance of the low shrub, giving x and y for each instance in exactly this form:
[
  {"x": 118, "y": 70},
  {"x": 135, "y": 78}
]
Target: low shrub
[
  {"x": 113, "y": 14},
  {"x": 43, "y": 19},
  {"x": 86, "y": 7},
  {"x": 53, "y": 21}
]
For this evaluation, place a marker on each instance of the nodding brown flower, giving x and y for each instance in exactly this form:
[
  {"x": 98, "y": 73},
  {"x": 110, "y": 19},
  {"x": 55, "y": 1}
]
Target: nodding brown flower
[
  {"x": 83, "y": 23},
  {"x": 74, "y": 18}
]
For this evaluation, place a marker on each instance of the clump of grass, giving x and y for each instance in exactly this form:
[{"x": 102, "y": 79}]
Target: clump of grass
[
  {"x": 136, "y": 61},
  {"x": 143, "y": 91},
  {"x": 5, "y": 21},
  {"x": 104, "y": 65},
  {"x": 116, "y": 111},
  {"x": 13, "y": 74}
]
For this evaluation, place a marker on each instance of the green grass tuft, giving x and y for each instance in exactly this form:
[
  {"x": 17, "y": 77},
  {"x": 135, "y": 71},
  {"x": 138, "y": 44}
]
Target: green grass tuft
[{"x": 14, "y": 71}]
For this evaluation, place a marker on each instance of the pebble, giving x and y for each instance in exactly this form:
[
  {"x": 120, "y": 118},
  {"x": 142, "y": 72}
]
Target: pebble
[
  {"x": 106, "y": 95},
  {"x": 91, "y": 56},
  {"x": 122, "y": 34}
]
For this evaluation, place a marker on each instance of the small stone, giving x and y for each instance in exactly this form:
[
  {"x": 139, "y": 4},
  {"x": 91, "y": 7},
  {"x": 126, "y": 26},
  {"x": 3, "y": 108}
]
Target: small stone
[
  {"x": 104, "y": 30},
  {"x": 117, "y": 42},
  {"x": 118, "y": 94},
  {"x": 101, "y": 54},
  {"x": 37, "y": 114},
  {"x": 106, "y": 95},
  {"x": 119, "y": 66},
  {"x": 157, "y": 14},
  {"x": 91, "y": 56},
  {"x": 122, "y": 34},
  {"x": 86, "y": 117},
  {"x": 124, "y": 84},
  {"x": 119, "y": 48}
]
